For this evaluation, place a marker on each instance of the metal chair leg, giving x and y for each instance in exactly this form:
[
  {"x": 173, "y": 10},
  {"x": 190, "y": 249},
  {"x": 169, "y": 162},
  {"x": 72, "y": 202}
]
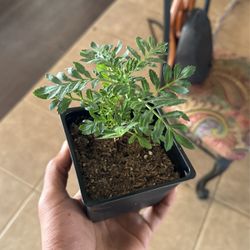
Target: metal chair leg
[{"x": 221, "y": 164}]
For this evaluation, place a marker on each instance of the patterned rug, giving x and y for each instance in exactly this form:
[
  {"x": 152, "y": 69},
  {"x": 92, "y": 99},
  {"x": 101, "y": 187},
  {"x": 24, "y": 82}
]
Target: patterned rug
[{"x": 219, "y": 110}]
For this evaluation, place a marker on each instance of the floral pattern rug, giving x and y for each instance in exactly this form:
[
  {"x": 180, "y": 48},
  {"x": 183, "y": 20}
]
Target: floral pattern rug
[{"x": 219, "y": 109}]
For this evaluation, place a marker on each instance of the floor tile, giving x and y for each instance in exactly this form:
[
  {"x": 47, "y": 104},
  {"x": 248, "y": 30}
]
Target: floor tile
[
  {"x": 224, "y": 229},
  {"x": 181, "y": 227},
  {"x": 129, "y": 20},
  {"x": 216, "y": 10},
  {"x": 12, "y": 194},
  {"x": 156, "y": 5},
  {"x": 234, "y": 186},
  {"x": 24, "y": 233},
  {"x": 236, "y": 23},
  {"x": 29, "y": 138},
  {"x": 202, "y": 164}
]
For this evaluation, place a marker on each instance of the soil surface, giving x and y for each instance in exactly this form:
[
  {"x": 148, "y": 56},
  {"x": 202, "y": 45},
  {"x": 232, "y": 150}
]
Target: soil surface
[{"x": 114, "y": 167}]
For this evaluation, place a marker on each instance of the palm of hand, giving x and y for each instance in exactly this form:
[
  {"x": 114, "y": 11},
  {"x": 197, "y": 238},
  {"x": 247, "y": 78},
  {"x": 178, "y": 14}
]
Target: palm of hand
[{"x": 129, "y": 231}]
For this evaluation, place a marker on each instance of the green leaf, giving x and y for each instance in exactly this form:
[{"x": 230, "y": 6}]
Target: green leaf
[
  {"x": 183, "y": 128},
  {"x": 145, "y": 85},
  {"x": 155, "y": 60},
  {"x": 157, "y": 131},
  {"x": 53, "y": 104},
  {"x": 52, "y": 78},
  {"x": 132, "y": 138},
  {"x": 177, "y": 71},
  {"x": 167, "y": 73},
  {"x": 134, "y": 53},
  {"x": 144, "y": 142},
  {"x": 62, "y": 76},
  {"x": 118, "y": 48},
  {"x": 162, "y": 101},
  {"x": 44, "y": 92},
  {"x": 89, "y": 94},
  {"x": 80, "y": 68},
  {"x": 73, "y": 72},
  {"x": 187, "y": 71},
  {"x": 93, "y": 45},
  {"x": 176, "y": 114},
  {"x": 87, "y": 127},
  {"x": 154, "y": 78},
  {"x": 152, "y": 42},
  {"x": 139, "y": 42},
  {"x": 63, "y": 105},
  {"x": 169, "y": 140},
  {"x": 179, "y": 89},
  {"x": 183, "y": 141}
]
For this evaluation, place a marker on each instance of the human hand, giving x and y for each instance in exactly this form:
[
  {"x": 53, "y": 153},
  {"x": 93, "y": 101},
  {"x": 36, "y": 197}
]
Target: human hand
[{"x": 64, "y": 225}]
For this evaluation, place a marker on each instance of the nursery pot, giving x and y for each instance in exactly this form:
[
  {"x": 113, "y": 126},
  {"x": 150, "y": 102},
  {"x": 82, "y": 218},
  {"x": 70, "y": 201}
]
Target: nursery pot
[{"x": 98, "y": 210}]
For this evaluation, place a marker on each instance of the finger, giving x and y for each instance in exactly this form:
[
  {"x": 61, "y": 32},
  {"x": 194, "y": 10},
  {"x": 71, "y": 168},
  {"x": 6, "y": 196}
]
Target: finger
[
  {"x": 56, "y": 174},
  {"x": 155, "y": 214}
]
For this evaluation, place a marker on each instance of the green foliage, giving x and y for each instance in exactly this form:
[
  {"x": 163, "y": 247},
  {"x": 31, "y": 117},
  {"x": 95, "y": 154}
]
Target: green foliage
[{"x": 119, "y": 101}]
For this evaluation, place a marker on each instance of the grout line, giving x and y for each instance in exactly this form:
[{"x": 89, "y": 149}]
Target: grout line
[
  {"x": 21, "y": 207},
  {"x": 206, "y": 216},
  {"x": 225, "y": 204},
  {"x": 16, "y": 178},
  {"x": 16, "y": 214},
  {"x": 229, "y": 8}
]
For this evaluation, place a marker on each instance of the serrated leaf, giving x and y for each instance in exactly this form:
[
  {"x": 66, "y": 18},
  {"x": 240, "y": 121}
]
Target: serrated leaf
[
  {"x": 89, "y": 94},
  {"x": 177, "y": 71},
  {"x": 134, "y": 53},
  {"x": 43, "y": 92},
  {"x": 93, "y": 45},
  {"x": 152, "y": 41},
  {"x": 167, "y": 73},
  {"x": 162, "y": 101},
  {"x": 62, "y": 76},
  {"x": 63, "y": 105},
  {"x": 131, "y": 139},
  {"x": 73, "y": 72},
  {"x": 139, "y": 42},
  {"x": 187, "y": 71},
  {"x": 144, "y": 142},
  {"x": 183, "y": 141},
  {"x": 169, "y": 140},
  {"x": 183, "y": 128},
  {"x": 179, "y": 89},
  {"x": 157, "y": 131},
  {"x": 176, "y": 114},
  {"x": 80, "y": 68},
  {"x": 145, "y": 85},
  {"x": 155, "y": 60},
  {"x": 87, "y": 127},
  {"x": 52, "y": 78},
  {"x": 53, "y": 104},
  {"x": 154, "y": 78},
  {"x": 118, "y": 48}
]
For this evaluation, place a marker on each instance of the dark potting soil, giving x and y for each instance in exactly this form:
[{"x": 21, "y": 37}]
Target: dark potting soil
[{"x": 114, "y": 167}]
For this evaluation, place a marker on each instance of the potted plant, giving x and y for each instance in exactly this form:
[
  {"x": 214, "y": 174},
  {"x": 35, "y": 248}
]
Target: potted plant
[{"x": 126, "y": 151}]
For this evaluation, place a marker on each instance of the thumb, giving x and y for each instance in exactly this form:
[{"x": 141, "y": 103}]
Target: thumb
[{"x": 56, "y": 174}]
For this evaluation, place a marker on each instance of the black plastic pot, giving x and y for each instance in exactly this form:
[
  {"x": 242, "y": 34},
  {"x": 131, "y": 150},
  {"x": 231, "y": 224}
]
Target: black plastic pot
[{"x": 98, "y": 210}]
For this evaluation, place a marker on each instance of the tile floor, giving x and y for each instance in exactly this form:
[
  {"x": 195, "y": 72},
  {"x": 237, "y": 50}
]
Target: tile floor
[{"x": 31, "y": 135}]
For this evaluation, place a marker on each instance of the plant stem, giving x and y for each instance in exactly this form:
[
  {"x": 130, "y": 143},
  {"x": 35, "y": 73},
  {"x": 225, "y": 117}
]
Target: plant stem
[{"x": 157, "y": 115}]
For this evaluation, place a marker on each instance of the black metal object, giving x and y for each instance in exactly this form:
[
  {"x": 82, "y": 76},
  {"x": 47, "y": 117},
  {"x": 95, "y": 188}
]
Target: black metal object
[
  {"x": 220, "y": 166},
  {"x": 102, "y": 209},
  {"x": 207, "y": 5},
  {"x": 195, "y": 45}
]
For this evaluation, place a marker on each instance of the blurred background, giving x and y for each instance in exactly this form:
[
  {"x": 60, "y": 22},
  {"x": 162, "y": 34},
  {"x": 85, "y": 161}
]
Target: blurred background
[{"x": 40, "y": 36}]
